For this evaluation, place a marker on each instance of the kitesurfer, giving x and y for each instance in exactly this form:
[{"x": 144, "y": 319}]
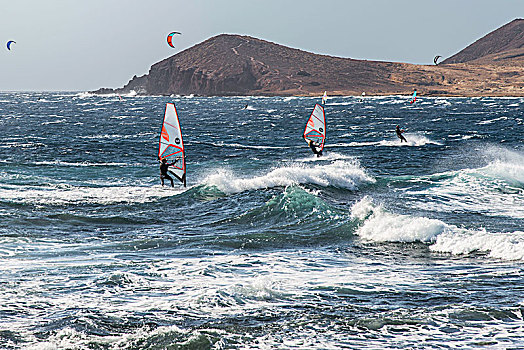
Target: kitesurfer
[
  {"x": 164, "y": 167},
  {"x": 313, "y": 147},
  {"x": 399, "y": 132}
]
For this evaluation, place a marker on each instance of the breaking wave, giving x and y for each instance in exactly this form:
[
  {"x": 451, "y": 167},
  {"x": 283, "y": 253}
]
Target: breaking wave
[
  {"x": 377, "y": 224},
  {"x": 341, "y": 174}
]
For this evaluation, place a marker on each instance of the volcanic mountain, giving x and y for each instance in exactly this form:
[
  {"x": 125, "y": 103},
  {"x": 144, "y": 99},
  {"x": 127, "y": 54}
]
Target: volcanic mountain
[
  {"x": 241, "y": 65},
  {"x": 502, "y": 46}
]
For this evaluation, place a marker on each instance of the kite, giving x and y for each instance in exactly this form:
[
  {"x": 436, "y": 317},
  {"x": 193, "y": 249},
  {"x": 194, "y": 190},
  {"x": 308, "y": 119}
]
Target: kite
[
  {"x": 9, "y": 44},
  {"x": 170, "y": 38}
]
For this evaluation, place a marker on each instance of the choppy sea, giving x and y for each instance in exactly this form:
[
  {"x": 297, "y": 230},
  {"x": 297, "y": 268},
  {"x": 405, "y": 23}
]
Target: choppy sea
[{"x": 375, "y": 245}]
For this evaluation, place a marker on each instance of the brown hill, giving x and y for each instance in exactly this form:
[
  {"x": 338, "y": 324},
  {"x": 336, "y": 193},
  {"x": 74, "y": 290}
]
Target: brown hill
[
  {"x": 239, "y": 65},
  {"x": 242, "y": 65},
  {"x": 501, "y": 46}
]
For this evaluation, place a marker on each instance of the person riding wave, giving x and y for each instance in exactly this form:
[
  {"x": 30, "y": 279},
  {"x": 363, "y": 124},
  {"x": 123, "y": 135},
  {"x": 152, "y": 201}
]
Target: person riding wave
[
  {"x": 313, "y": 147},
  {"x": 164, "y": 167},
  {"x": 399, "y": 132}
]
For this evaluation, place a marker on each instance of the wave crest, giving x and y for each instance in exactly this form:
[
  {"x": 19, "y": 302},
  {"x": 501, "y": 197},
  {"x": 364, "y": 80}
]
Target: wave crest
[
  {"x": 378, "y": 225},
  {"x": 505, "y": 246},
  {"x": 341, "y": 174}
]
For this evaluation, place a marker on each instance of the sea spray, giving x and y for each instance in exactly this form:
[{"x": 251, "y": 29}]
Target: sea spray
[
  {"x": 341, "y": 174},
  {"x": 504, "y": 246},
  {"x": 379, "y": 225}
]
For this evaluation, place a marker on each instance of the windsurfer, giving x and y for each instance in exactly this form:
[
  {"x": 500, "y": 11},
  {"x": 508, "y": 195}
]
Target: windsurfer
[
  {"x": 313, "y": 147},
  {"x": 399, "y": 132},
  {"x": 164, "y": 167}
]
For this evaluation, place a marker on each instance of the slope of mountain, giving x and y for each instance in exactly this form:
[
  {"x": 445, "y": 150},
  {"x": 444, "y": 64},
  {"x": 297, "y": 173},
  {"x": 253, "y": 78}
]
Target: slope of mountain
[
  {"x": 500, "y": 46},
  {"x": 242, "y": 65}
]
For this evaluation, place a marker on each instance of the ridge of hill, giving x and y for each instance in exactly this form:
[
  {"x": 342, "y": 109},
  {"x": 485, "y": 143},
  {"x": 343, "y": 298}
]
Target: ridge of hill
[
  {"x": 230, "y": 64},
  {"x": 498, "y": 46}
]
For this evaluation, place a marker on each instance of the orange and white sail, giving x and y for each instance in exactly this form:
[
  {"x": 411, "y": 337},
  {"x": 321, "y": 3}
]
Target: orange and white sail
[
  {"x": 316, "y": 127},
  {"x": 171, "y": 145}
]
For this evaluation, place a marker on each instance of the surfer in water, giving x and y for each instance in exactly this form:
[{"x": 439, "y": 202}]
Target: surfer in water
[
  {"x": 164, "y": 167},
  {"x": 399, "y": 132},
  {"x": 313, "y": 147}
]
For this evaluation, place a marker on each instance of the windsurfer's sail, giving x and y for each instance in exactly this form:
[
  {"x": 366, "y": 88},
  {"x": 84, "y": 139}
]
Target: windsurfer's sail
[
  {"x": 171, "y": 145},
  {"x": 414, "y": 97},
  {"x": 316, "y": 128},
  {"x": 324, "y": 98}
]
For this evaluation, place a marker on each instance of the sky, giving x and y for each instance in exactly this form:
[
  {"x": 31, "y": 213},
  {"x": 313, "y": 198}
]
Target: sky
[{"x": 82, "y": 45}]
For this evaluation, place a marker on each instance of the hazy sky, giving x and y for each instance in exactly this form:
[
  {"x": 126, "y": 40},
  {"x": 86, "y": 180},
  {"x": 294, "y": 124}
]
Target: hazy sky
[{"x": 84, "y": 45}]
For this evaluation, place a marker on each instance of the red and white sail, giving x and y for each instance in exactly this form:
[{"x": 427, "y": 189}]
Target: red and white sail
[
  {"x": 316, "y": 127},
  {"x": 171, "y": 145}
]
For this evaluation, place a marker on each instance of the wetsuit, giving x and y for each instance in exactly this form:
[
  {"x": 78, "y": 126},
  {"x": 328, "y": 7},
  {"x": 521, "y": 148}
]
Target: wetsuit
[
  {"x": 164, "y": 167},
  {"x": 399, "y": 134},
  {"x": 314, "y": 149}
]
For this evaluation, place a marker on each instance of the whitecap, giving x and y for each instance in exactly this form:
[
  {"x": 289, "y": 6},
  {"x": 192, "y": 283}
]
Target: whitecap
[
  {"x": 342, "y": 174},
  {"x": 504, "y": 246},
  {"x": 379, "y": 225},
  {"x": 376, "y": 224}
]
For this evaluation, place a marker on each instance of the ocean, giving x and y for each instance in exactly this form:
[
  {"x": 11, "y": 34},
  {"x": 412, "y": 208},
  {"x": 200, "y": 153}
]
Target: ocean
[{"x": 375, "y": 245}]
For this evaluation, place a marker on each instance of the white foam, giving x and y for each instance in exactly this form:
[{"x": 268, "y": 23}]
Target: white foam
[
  {"x": 499, "y": 183},
  {"x": 82, "y": 164},
  {"x": 354, "y": 144},
  {"x": 328, "y": 156},
  {"x": 490, "y": 121},
  {"x": 414, "y": 140},
  {"x": 442, "y": 102},
  {"x": 394, "y": 102},
  {"x": 504, "y": 246},
  {"x": 84, "y": 95},
  {"x": 239, "y": 145},
  {"x": 505, "y": 164},
  {"x": 381, "y": 226},
  {"x": 342, "y": 174},
  {"x": 61, "y": 194}
]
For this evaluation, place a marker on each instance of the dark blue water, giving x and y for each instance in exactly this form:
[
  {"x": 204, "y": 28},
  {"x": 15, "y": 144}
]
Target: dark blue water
[{"x": 377, "y": 244}]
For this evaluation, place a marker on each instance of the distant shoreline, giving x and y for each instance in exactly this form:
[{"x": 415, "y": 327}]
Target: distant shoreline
[{"x": 368, "y": 95}]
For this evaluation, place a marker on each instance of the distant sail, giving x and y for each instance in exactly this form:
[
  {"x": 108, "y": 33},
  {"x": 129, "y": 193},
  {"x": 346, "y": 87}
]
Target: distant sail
[
  {"x": 436, "y": 59},
  {"x": 171, "y": 145},
  {"x": 414, "y": 97},
  {"x": 324, "y": 98},
  {"x": 316, "y": 127}
]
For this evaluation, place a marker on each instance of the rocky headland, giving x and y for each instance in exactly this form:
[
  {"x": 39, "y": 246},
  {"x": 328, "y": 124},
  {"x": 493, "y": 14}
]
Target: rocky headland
[{"x": 227, "y": 65}]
